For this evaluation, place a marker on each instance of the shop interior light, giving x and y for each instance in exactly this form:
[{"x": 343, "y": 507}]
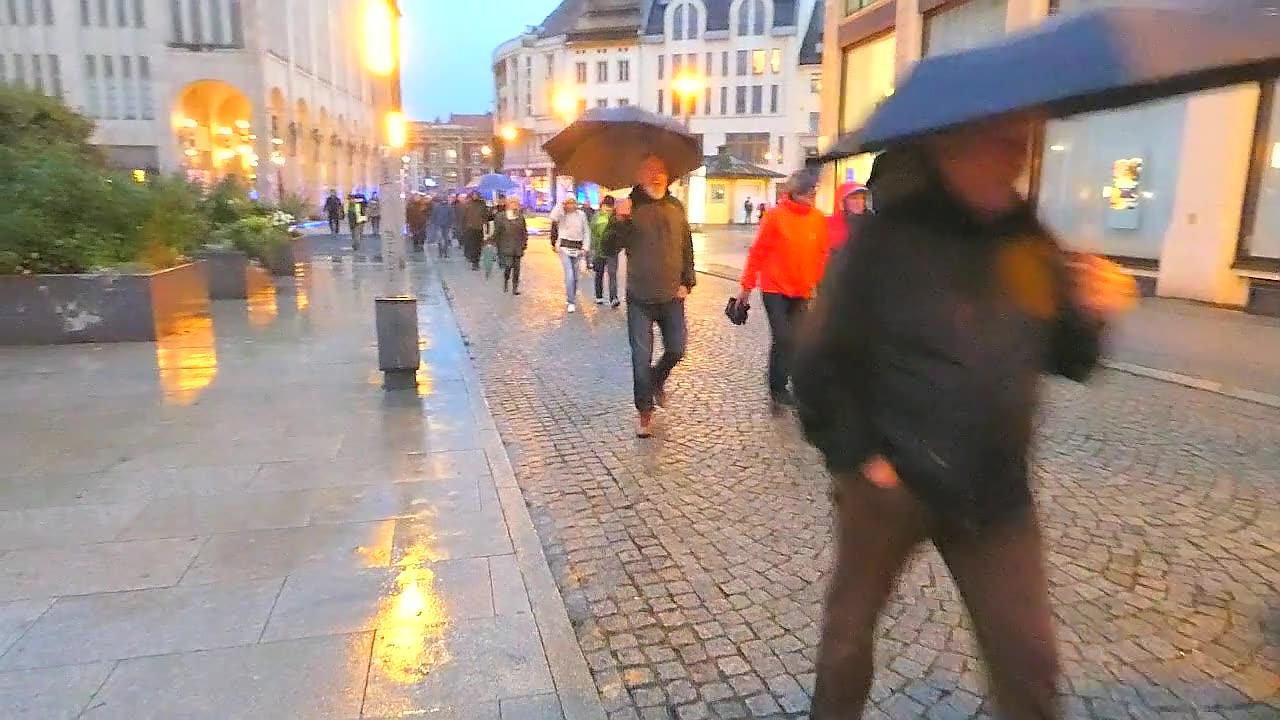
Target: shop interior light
[
  {"x": 190, "y": 123},
  {"x": 277, "y": 141},
  {"x": 1057, "y": 148},
  {"x": 191, "y": 152},
  {"x": 1275, "y": 156},
  {"x": 242, "y": 124},
  {"x": 224, "y": 130}
]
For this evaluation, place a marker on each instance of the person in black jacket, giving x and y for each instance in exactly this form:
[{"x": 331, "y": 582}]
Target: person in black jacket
[
  {"x": 917, "y": 378},
  {"x": 651, "y": 226}
]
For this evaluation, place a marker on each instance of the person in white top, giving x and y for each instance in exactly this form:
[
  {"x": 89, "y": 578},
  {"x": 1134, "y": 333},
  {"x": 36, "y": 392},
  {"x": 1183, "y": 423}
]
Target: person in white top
[{"x": 571, "y": 242}]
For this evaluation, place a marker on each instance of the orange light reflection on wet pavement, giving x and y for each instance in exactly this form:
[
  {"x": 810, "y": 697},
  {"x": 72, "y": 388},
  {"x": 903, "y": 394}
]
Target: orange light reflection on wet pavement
[{"x": 187, "y": 360}]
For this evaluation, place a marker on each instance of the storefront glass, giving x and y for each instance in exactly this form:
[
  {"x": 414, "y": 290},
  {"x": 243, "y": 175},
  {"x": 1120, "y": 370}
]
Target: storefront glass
[
  {"x": 1262, "y": 238},
  {"x": 965, "y": 25},
  {"x": 868, "y": 78}
]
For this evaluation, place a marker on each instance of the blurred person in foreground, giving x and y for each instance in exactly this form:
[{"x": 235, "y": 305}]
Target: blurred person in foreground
[
  {"x": 786, "y": 262},
  {"x": 652, "y": 227},
  {"x": 918, "y": 380}
]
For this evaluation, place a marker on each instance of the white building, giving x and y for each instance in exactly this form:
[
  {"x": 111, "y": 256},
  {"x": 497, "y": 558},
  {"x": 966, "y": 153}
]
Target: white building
[
  {"x": 756, "y": 65},
  {"x": 271, "y": 90}
]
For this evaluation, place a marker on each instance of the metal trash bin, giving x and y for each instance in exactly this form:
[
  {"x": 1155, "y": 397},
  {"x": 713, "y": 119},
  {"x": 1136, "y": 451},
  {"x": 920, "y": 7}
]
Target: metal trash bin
[{"x": 396, "y": 319}]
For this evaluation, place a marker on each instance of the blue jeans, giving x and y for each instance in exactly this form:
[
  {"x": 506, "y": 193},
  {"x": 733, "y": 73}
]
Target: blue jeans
[
  {"x": 670, "y": 319},
  {"x": 571, "y": 264}
]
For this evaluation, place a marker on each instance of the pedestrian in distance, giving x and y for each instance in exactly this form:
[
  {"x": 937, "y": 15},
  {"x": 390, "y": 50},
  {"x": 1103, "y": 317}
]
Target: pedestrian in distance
[
  {"x": 786, "y": 262},
  {"x": 455, "y": 230},
  {"x": 489, "y": 251},
  {"x": 747, "y": 207},
  {"x": 511, "y": 235},
  {"x": 603, "y": 262},
  {"x": 355, "y": 219},
  {"x": 442, "y": 219},
  {"x": 573, "y": 233},
  {"x": 333, "y": 211},
  {"x": 764, "y": 207},
  {"x": 416, "y": 216},
  {"x": 652, "y": 227},
  {"x": 373, "y": 210},
  {"x": 473, "y": 215},
  {"x": 917, "y": 378}
]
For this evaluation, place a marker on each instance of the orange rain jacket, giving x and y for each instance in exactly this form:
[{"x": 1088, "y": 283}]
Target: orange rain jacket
[{"x": 790, "y": 252}]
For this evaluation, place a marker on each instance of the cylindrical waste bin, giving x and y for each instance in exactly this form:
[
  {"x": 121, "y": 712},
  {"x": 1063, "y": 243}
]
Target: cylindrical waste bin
[{"x": 396, "y": 319}]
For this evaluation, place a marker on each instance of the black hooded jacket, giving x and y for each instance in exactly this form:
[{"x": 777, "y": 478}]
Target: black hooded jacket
[
  {"x": 659, "y": 245},
  {"x": 927, "y": 344}
]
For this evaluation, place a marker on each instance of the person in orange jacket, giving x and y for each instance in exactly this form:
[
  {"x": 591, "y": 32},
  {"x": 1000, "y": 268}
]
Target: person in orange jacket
[{"x": 786, "y": 262}]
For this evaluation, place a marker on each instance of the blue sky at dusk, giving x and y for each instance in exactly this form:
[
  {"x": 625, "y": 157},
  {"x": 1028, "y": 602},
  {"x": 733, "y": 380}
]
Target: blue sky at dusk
[{"x": 447, "y": 51}]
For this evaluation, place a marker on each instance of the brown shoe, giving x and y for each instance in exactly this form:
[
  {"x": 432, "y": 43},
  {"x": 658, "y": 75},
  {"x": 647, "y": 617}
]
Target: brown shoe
[
  {"x": 660, "y": 397},
  {"x": 644, "y": 427}
]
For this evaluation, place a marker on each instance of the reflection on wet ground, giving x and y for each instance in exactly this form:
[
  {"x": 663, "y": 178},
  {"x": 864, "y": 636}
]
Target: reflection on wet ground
[{"x": 243, "y": 500}]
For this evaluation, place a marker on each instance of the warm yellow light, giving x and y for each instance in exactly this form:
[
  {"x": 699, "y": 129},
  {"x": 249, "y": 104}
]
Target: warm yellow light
[
  {"x": 485, "y": 150},
  {"x": 224, "y": 130},
  {"x": 397, "y": 129},
  {"x": 1057, "y": 148},
  {"x": 277, "y": 159},
  {"x": 565, "y": 104},
  {"x": 277, "y": 141},
  {"x": 378, "y": 36},
  {"x": 244, "y": 149},
  {"x": 190, "y": 123},
  {"x": 191, "y": 152},
  {"x": 888, "y": 92},
  {"x": 242, "y": 124},
  {"x": 509, "y": 133},
  {"x": 140, "y": 176},
  {"x": 1275, "y": 156},
  {"x": 688, "y": 84}
]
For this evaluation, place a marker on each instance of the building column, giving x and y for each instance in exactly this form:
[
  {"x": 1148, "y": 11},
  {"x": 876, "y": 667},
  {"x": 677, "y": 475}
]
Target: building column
[{"x": 1200, "y": 245}]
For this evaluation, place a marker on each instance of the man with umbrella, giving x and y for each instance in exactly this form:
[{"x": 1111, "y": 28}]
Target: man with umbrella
[{"x": 918, "y": 378}]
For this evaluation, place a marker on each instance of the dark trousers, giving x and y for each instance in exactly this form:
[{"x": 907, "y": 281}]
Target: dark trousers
[
  {"x": 375, "y": 224},
  {"x": 511, "y": 272},
  {"x": 999, "y": 571},
  {"x": 335, "y": 225},
  {"x": 784, "y": 318},
  {"x": 607, "y": 265},
  {"x": 471, "y": 242},
  {"x": 670, "y": 319}
]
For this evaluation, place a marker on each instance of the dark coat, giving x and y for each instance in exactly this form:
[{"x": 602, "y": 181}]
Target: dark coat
[
  {"x": 473, "y": 214},
  {"x": 333, "y": 207},
  {"x": 659, "y": 245},
  {"x": 511, "y": 236},
  {"x": 927, "y": 344}
]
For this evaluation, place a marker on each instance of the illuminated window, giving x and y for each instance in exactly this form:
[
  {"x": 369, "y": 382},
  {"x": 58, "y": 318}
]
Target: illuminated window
[
  {"x": 775, "y": 61},
  {"x": 758, "y": 60}
]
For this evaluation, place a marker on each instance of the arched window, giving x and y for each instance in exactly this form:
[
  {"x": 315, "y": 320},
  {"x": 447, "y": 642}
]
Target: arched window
[
  {"x": 744, "y": 17},
  {"x": 757, "y": 25},
  {"x": 751, "y": 17},
  {"x": 684, "y": 22},
  {"x": 677, "y": 23},
  {"x": 693, "y": 22}
]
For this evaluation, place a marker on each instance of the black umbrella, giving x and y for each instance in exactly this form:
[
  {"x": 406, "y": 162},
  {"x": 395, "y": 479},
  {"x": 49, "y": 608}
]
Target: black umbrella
[
  {"x": 605, "y": 145},
  {"x": 1095, "y": 60}
]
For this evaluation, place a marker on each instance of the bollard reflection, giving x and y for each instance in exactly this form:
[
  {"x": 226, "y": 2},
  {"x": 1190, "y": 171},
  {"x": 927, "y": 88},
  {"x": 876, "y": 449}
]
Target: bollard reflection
[{"x": 187, "y": 360}]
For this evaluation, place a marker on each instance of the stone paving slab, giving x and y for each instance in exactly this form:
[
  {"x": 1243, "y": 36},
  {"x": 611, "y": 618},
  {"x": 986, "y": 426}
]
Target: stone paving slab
[{"x": 693, "y": 565}]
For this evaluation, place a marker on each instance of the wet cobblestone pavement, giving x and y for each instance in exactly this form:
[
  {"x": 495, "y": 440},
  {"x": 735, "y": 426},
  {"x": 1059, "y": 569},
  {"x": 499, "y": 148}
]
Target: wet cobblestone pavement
[{"x": 693, "y": 564}]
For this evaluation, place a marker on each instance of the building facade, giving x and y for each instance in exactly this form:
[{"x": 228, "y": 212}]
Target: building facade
[
  {"x": 1184, "y": 192},
  {"x": 272, "y": 91},
  {"x": 450, "y": 155},
  {"x": 750, "y": 71}
]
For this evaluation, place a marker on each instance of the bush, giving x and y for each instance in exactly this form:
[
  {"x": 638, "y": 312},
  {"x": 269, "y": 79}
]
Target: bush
[
  {"x": 257, "y": 236},
  {"x": 28, "y": 118},
  {"x": 296, "y": 206}
]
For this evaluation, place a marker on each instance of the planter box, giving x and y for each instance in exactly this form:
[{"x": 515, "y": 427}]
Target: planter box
[
  {"x": 106, "y": 307},
  {"x": 231, "y": 275},
  {"x": 284, "y": 260},
  {"x": 1264, "y": 298}
]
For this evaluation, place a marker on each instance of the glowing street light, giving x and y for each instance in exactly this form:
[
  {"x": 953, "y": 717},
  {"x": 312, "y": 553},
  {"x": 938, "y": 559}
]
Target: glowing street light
[
  {"x": 509, "y": 133},
  {"x": 688, "y": 85},
  {"x": 565, "y": 103},
  {"x": 485, "y": 150},
  {"x": 397, "y": 129},
  {"x": 378, "y": 37}
]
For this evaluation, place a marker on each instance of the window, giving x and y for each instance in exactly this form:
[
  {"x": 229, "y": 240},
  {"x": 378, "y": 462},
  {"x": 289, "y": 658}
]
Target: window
[
  {"x": 84, "y": 13},
  {"x": 175, "y": 13},
  {"x": 710, "y": 64},
  {"x": 623, "y": 102},
  {"x": 853, "y": 6},
  {"x": 677, "y": 64},
  {"x": 451, "y": 155},
  {"x": 724, "y": 64},
  {"x": 55, "y": 75},
  {"x": 781, "y": 148},
  {"x": 661, "y": 66},
  {"x": 122, "y": 13},
  {"x": 815, "y": 84},
  {"x": 677, "y": 23},
  {"x": 773, "y": 99},
  {"x": 684, "y": 22},
  {"x": 144, "y": 87},
  {"x": 751, "y": 17},
  {"x": 1260, "y": 225},
  {"x": 216, "y": 34},
  {"x": 48, "y": 12},
  {"x": 724, "y": 100},
  {"x": 37, "y": 74},
  {"x": 19, "y": 70},
  {"x": 758, "y": 60},
  {"x": 707, "y": 105},
  {"x": 237, "y": 28},
  {"x": 602, "y": 102},
  {"x": 747, "y": 146},
  {"x": 551, "y": 64},
  {"x": 815, "y": 123},
  {"x": 109, "y": 83},
  {"x": 582, "y": 106},
  {"x": 660, "y": 105},
  {"x": 743, "y": 55},
  {"x": 602, "y": 71},
  {"x": 677, "y": 101},
  {"x": 775, "y": 61},
  {"x": 197, "y": 23},
  {"x": 31, "y": 12},
  {"x": 126, "y": 81},
  {"x": 103, "y": 14},
  {"x": 624, "y": 71},
  {"x": 92, "y": 98},
  {"x": 580, "y": 72},
  {"x": 740, "y": 100},
  {"x": 963, "y": 25},
  {"x": 139, "y": 13},
  {"x": 866, "y": 79},
  {"x": 757, "y": 99}
]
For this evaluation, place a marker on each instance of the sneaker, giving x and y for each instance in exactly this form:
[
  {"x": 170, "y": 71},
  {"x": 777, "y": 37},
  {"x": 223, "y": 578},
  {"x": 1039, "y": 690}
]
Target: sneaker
[
  {"x": 644, "y": 425},
  {"x": 571, "y": 309},
  {"x": 616, "y": 302},
  {"x": 599, "y": 301}
]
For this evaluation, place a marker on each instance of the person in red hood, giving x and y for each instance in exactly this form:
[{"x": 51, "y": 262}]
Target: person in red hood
[
  {"x": 786, "y": 262},
  {"x": 851, "y": 205}
]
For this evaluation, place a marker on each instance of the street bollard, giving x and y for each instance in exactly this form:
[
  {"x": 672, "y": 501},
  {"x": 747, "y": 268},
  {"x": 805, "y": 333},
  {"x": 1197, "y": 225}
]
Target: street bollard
[{"x": 396, "y": 319}]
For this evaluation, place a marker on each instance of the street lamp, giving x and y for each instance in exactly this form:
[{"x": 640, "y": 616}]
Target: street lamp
[
  {"x": 509, "y": 132},
  {"x": 688, "y": 86},
  {"x": 485, "y": 150}
]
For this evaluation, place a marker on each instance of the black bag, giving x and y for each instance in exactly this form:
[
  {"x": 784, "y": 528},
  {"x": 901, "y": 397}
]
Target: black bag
[{"x": 736, "y": 311}]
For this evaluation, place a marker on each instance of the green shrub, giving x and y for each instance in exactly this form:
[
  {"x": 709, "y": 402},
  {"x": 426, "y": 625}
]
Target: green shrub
[
  {"x": 256, "y": 236},
  {"x": 295, "y": 205},
  {"x": 29, "y": 118}
]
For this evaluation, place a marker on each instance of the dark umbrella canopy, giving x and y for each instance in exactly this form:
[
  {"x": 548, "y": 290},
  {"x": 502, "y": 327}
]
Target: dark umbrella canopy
[
  {"x": 1096, "y": 60},
  {"x": 605, "y": 145}
]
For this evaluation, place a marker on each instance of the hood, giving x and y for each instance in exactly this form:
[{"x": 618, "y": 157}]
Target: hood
[
  {"x": 639, "y": 196},
  {"x": 848, "y": 189},
  {"x": 796, "y": 207}
]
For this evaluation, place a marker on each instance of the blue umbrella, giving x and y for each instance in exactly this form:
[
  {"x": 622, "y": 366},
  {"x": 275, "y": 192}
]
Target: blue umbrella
[
  {"x": 495, "y": 183},
  {"x": 1085, "y": 62}
]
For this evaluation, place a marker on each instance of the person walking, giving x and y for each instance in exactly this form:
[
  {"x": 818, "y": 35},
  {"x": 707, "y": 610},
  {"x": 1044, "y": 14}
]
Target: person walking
[
  {"x": 333, "y": 210},
  {"x": 747, "y": 207},
  {"x": 764, "y": 207},
  {"x": 511, "y": 235},
  {"x": 602, "y": 262},
  {"x": 355, "y": 219},
  {"x": 373, "y": 210},
  {"x": 442, "y": 219},
  {"x": 846, "y": 222},
  {"x": 572, "y": 235},
  {"x": 918, "y": 379},
  {"x": 415, "y": 216},
  {"x": 786, "y": 262},
  {"x": 652, "y": 227},
  {"x": 473, "y": 214}
]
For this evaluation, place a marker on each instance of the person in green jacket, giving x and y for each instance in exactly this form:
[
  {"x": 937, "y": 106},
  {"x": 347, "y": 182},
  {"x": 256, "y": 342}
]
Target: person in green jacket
[{"x": 602, "y": 261}]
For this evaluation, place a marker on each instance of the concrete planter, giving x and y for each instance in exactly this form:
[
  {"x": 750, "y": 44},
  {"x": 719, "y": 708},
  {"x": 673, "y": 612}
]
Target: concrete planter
[
  {"x": 284, "y": 259},
  {"x": 106, "y": 307},
  {"x": 231, "y": 275},
  {"x": 1264, "y": 298}
]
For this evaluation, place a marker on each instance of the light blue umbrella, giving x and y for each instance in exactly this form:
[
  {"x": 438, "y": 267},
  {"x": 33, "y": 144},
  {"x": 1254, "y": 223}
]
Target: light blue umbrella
[{"x": 495, "y": 183}]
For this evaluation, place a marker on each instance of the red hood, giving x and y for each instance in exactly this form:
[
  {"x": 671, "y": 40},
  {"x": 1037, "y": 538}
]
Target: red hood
[
  {"x": 795, "y": 207},
  {"x": 846, "y": 190}
]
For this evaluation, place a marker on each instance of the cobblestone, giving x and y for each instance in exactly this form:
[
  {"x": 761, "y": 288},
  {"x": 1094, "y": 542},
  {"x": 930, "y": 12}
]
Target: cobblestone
[{"x": 1158, "y": 502}]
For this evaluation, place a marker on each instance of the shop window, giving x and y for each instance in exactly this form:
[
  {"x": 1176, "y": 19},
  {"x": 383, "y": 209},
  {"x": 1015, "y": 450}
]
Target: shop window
[
  {"x": 867, "y": 80},
  {"x": 751, "y": 147},
  {"x": 1260, "y": 224},
  {"x": 964, "y": 25},
  {"x": 853, "y": 6}
]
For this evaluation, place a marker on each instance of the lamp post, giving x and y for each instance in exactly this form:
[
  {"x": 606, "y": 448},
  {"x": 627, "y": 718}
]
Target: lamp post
[
  {"x": 687, "y": 87},
  {"x": 565, "y": 105}
]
